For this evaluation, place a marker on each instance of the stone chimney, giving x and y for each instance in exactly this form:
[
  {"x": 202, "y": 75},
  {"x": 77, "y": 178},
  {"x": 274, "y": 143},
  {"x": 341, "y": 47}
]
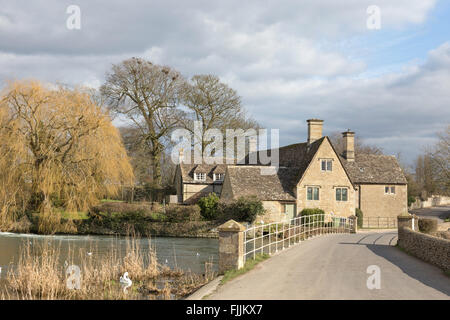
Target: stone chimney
[
  {"x": 349, "y": 145},
  {"x": 314, "y": 130}
]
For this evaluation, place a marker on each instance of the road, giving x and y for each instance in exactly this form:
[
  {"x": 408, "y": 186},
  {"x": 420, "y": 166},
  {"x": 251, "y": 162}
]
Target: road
[
  {"x": 438, "y": 213},
  {"x": 335, "y": 267}
]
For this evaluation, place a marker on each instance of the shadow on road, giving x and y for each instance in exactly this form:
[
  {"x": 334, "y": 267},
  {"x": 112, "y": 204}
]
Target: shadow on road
[{"x": 429, "y": 275}]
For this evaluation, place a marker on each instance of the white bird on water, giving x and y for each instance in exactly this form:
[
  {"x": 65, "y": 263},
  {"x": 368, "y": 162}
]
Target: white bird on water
[
  {"x": 125, "y": 282},
  {"x": 89, "y": 253}
]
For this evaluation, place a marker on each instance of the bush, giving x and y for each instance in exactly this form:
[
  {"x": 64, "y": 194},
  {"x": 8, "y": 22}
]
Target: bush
[
  {"x": 243, "y": 209},
  {"x": 427, "y": 225},
  {"x": 209, "y": 206},
  {"x": 181, "y": 213},
  {"x": 411, "y": 200},
  {"x": 359, "y": 215},
  {"x": 120, "y": 210},
  {"x": 318, "y": 215}
]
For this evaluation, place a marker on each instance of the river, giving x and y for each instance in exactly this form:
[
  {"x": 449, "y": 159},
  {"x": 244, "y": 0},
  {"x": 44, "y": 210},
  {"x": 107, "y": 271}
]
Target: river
[{"x": 184, "y": 253}]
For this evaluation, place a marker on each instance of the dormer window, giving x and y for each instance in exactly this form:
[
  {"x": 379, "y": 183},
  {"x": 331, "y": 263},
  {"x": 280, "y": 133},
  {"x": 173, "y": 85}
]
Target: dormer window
[
  {"x": 218, "y": 176},
  {"x": 200, "y": 176},
  {"x": 326, "y": 165}
]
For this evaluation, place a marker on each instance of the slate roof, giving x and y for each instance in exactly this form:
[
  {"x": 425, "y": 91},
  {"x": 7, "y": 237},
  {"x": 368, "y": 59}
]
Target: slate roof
[
  {"x": 370, "y": 168},
  {"x": 297, "y": 155},
  {"x": 246, "y": 180}
]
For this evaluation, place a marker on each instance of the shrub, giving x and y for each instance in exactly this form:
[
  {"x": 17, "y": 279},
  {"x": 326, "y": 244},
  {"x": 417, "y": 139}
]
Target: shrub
[
  {"x": 181, "y": 213},
  {"x": 209, "y": 206},
  {"x": 360, "y": 216},
  {"x": 411, "y": 200},
  {"x": 243, "y": 209},
  {"x": 427, "y": 225},
  {"x": 318, "y": 215},
  {"x": 120, "y": 210}
]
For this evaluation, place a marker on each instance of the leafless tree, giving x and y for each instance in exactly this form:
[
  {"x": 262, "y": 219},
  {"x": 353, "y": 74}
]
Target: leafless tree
[
  {"x": 360, "y": 146},
  {"x": 215, "y": 105},
  {"x": 147, "y": 94}
]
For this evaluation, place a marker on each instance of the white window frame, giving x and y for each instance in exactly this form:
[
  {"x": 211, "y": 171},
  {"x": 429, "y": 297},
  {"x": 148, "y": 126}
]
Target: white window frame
[
  {"x": 390, "y": 189},
  {"x": 327, "y": 161},
  {"x": 219, "y": 176},
  {"x": 199, "y": 176}
]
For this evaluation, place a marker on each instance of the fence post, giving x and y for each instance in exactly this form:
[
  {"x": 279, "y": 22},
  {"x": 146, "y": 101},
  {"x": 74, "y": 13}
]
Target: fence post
[
  {"x": 354, "y": 224},
  {"x": 231, "y": 246}
]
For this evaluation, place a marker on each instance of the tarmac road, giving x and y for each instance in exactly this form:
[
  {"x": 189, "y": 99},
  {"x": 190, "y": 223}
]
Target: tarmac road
[{"x": 335, "y": 267}]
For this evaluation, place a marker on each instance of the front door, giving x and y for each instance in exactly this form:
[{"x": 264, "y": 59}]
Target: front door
[{"x": 289, "y": 208}]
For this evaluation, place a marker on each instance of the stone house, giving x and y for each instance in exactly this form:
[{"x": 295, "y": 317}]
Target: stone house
[
  {"x": 310, "y": 175},
  {"x": 194, "y": 181}
]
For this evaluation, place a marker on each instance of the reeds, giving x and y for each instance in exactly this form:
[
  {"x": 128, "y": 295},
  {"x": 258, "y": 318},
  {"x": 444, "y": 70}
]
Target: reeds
[{"x": 41, "y": 274}]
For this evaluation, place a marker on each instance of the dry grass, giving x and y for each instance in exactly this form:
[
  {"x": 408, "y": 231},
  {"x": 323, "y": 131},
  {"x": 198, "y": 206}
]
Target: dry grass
[{"x": 40, "y": 274}]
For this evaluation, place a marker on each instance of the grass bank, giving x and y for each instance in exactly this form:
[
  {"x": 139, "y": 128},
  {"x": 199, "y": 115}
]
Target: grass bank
[{"x": 249, "y": 265}]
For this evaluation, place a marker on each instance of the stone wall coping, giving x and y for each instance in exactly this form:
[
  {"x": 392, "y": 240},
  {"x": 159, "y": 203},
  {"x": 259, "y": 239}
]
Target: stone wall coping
[
  {"x": 424, "y": 235},
  {"x": 231, "y": 226}
]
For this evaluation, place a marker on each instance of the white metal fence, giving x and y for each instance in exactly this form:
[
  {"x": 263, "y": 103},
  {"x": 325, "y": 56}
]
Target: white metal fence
[{"x": 272, "y": 237}]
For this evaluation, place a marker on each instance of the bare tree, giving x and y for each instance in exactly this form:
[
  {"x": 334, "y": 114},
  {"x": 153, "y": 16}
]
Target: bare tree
[
  {"x": 360, "y": 146},
  {"x": 440, "y": 158},
  {"x": 148, "y": 95},
  {"x": 215, "y": 106}
]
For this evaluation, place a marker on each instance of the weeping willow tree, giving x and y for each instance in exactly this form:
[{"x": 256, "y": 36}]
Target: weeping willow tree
[{"x": 57, "y": 148}]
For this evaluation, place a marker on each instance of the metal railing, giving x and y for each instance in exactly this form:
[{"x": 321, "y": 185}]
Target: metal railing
[
  {"x": 379, "y": 222},
  {"x": 272, "y": 237}
]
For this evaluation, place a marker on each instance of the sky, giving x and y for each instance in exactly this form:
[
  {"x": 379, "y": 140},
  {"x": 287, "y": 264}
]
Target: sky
[{"x": 288, "y": 60}]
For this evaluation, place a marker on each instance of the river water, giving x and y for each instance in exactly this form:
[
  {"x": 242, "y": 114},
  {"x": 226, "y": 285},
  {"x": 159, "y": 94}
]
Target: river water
[{"x": 184, "y": 253}]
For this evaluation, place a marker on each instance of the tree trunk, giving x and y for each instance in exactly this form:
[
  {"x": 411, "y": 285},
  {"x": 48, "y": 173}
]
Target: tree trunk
[{"x": 156, "y": 166}]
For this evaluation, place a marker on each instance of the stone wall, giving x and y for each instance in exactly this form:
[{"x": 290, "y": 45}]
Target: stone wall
[
  {"x": 191, "y": 189},
  {"x": 428, "y": 248},
  {"x": 375, "y": 203},
  {"x": 327, "y": 181},
  {"x": 430, "y": 202}
]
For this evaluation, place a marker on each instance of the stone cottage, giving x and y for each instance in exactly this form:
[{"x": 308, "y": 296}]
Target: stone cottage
[{"x": 310, "y": 175}]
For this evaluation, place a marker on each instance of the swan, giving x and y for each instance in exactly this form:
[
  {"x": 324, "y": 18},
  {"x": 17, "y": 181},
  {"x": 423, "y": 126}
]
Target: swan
[{"x": 125, "y": 282}]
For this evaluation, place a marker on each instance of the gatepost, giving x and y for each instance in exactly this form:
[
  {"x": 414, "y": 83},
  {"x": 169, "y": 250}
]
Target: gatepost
[{"x": 231, "y": 246}]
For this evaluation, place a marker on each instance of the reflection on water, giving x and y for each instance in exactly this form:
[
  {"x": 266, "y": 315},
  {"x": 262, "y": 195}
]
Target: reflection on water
[{"x": 184, "y": 253}]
